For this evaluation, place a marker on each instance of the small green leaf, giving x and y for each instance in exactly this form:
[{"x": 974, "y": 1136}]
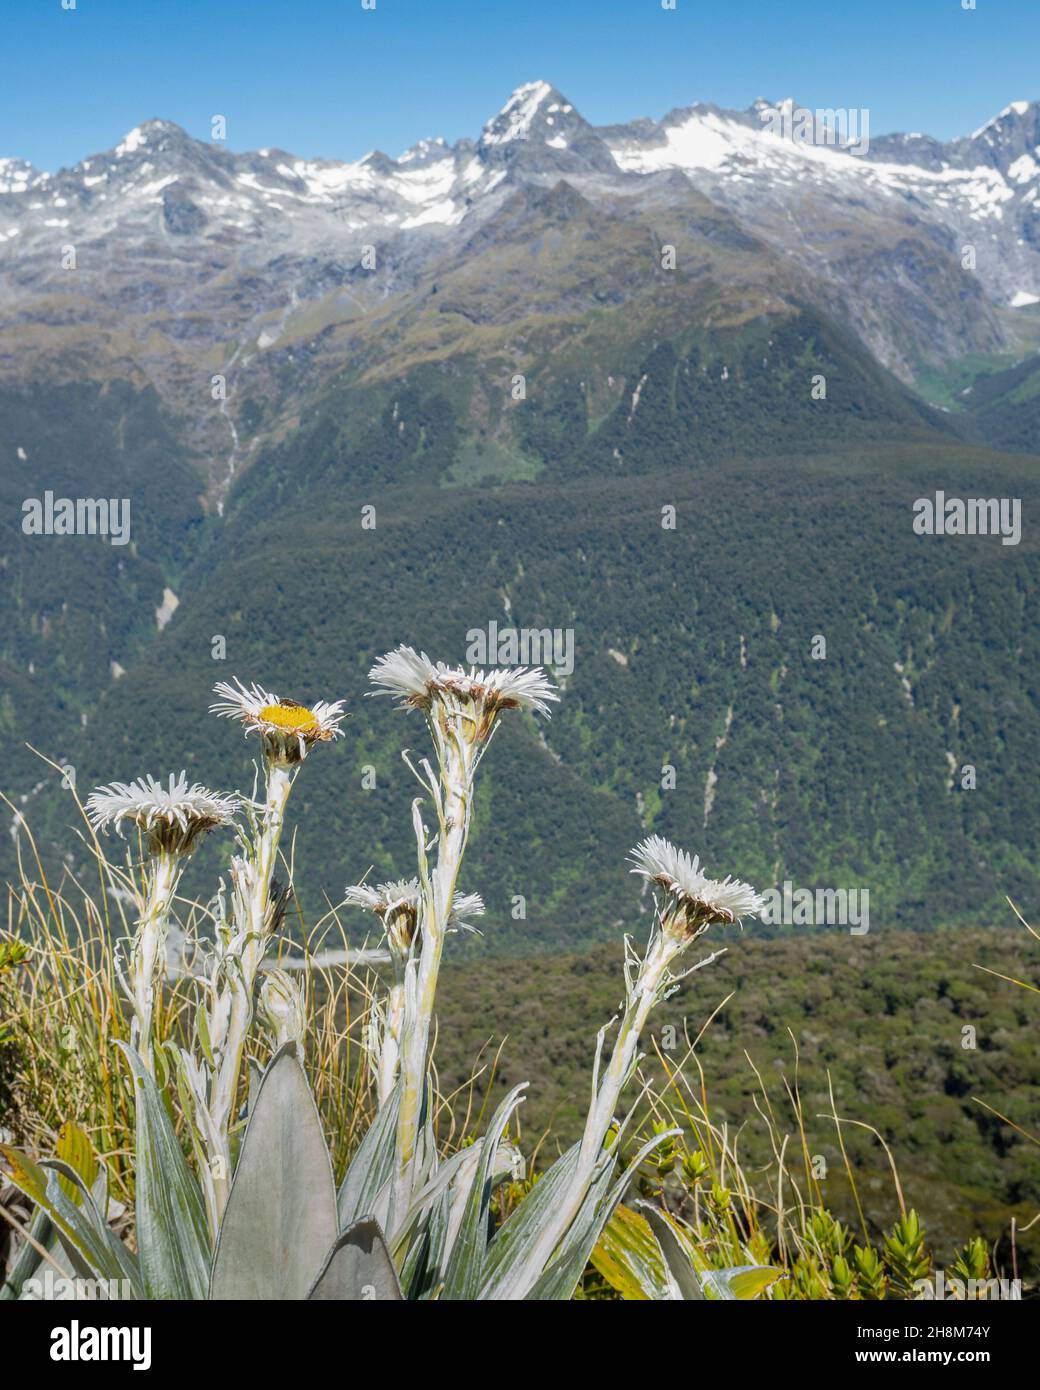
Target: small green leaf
[
  {"x": 202, "y": 1028},
  {"x": 743, "y": 1282},
  {"x": 75, "y": 1149}
]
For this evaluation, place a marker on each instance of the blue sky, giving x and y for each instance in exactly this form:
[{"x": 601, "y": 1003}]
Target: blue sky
[{"x": 326, "y": 77}]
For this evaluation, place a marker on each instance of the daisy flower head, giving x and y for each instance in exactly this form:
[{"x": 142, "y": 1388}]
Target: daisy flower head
[
  {"x": 694, "y": 901},
  {"x": 397, "y": 907},
  {"x": 173, "y": 817},
  {"x": 288, "y": 730},
  {"x": 419, "y": 683}
]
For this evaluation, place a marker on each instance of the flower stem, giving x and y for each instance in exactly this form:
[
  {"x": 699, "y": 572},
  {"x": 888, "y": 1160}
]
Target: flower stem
[
  {"x": 253, "y": 921},
  {"x": 457, "y": 758},
  {"x": 642, "y": 997},
  {"x": 148, "y": 952}
]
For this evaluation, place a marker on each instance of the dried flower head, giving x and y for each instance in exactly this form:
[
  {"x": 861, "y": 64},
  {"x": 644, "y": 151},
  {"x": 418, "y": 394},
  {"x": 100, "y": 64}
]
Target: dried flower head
[
  {"x": 397, "y": 907},
  {"x": 173, "y": 817},
  {"x": 694, "y": 901},
  {"x": 419, "y": 683},
  {"x": 287, "y": 729}
]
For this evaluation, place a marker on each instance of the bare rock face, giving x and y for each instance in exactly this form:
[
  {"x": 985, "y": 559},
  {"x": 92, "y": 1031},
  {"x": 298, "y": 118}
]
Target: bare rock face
[{"x": 181, "y": 216}]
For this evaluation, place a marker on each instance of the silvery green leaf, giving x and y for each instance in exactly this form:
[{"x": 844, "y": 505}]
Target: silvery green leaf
[
  {"x": 93, "y": 1202},
  {"x": 682, "y": 1275},
  {"x": 172, "y": 1237},
  {"x": 421, "y": 1274},
  {"x": 425, "y": 1159},
  {"x": 64, "y": 1276},
  {"x": 437, "y": 1211},
  {"x": 358, "y": 1268},
  {"x": 28, "y": 1257},
  {"x": 92, "y": 1248},
  {"x": 557, "y": 1281},
  {"x": 514, "y": 1239},
  {"x": 561, "y": 1277},
  {"x": 280, "y": 1221},
  {"x": 37, "y": 1287},
  {"x": 446, "y": 1174},
  {"x": 256, "y": 1076},
  {"x": 740, "y": 1282},
  {"x": 107, "y": 1206},
  {"x": 465, "y": 1269},
  {"x": 457, "y": 1173},
  {"x": 464, "y": 1177},
  {"x": 372, "y": 1166}
]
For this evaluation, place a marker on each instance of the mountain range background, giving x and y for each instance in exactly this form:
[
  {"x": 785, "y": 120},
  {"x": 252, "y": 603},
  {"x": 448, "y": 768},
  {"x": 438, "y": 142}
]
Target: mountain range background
[
  {"x": 254, "y": 347},
  {"x": 258, "y": 348}
]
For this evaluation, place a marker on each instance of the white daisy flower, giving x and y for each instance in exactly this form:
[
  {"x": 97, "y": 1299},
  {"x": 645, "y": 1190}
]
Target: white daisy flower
[
  {"x": 417, "y": 682},
  {"x": 288, "y": 730},
  {"x": 173, "y": 817},
  {"x": 695, "y": 901},
  {"x": 397, "y": 907}
]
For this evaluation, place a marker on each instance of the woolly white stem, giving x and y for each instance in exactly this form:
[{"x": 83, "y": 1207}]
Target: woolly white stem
[
  {"x": 458, "y": 753},
  {"x": 643, "y": 995},
  {"x": 148, "y": 951},
  {"x": 253, "y": 917},
  {"x": 390, "y": 1041}
]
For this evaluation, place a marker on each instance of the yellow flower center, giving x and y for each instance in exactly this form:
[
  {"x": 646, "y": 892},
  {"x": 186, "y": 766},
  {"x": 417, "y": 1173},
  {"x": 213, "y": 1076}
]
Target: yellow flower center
[{"x": 293, "y": 718}]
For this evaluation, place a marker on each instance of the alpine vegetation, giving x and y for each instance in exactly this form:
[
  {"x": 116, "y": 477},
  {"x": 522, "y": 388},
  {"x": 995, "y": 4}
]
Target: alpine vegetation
[{"x": 234, "y": 1195}]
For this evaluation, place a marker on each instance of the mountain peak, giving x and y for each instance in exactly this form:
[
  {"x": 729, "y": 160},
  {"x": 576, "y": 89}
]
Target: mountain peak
[
  {"x": 532, "y": 104},
  {"x": 1012, "y": 114},
  {"x": 539, "y": 125},
  {"x": 424, "y": 151},
  {"x": 1004, "y": 142},
  {"x": 151, "y": 132},
  {"x": 1014, "y": 110}
]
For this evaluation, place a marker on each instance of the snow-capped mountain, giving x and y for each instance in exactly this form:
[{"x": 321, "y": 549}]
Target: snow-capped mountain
[
  {"x": 980, "y": 191},
  {"x": 539, "y": 130},
  {"x": 537, "y": 134},
  {"x": 180, "y": 246}
]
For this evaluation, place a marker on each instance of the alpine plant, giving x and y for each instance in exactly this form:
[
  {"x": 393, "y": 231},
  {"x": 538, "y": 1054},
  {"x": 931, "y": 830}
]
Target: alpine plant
[{"x": 253, "y": 1212}]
